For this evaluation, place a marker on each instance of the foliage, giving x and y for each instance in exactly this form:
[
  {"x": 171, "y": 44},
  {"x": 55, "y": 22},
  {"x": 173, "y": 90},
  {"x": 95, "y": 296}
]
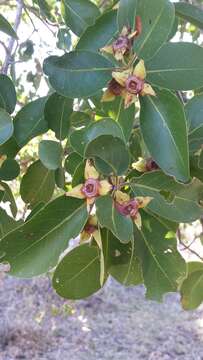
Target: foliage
[{"x": 118, "y": 133}]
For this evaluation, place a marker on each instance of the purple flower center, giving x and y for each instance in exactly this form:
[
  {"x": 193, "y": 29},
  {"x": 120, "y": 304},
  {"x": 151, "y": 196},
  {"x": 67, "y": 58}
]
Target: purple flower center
[
  {"x": 90, "y": 188},
  {"x": 134, "y": 85},
  {"x": 128, "y": 208},
  {"x": 115, "y": 87},
  {"x": 151, "y": 165},
  {"x": 122, "y": 43},
  {"x": 90, "y": 229}
]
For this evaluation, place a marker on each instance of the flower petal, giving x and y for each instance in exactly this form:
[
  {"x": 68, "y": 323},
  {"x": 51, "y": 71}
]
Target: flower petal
[
  {"x": 108, "y": 49},
  {"x": 140, "y": 165},
  {"x": 104, "y": 187},
  {"x": 84, "y": 236},
  {"x": 148, "y": 90},
  {"x": 129, "y": 99},
  {"x": 121, "y": 77},
  {"x": 138, "y": 221},
  {"x": 144, "y": 201},
  {"x": 76, "y": 192},
  {"x": 121, "y": 197},
  {"x": 125, "y": 31},
  {"x": 140, "y": 70},
  {"x": 90, "y": 171},
  {"x": 108, "y": 96}
]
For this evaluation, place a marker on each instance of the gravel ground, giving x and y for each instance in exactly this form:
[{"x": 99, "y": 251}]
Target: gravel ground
[{"x": 115, "y": 324}]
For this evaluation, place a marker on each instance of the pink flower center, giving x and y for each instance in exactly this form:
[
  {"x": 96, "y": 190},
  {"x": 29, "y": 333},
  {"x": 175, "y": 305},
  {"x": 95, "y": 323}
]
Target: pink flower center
[
  {"x": 122, "y": 43},
  {"x": 128, "y": 208},
  {"x": 134, "y": 85},
  {"x": 90, "y": 188}
]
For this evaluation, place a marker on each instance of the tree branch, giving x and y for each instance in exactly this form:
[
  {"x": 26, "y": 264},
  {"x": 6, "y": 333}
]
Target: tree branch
[{"x": 11, "y": 43}]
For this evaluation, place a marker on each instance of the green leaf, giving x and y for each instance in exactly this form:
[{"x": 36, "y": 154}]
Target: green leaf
[
  {"x": 121, "y": 260},
  {"x": 9, "y": 170},
  {"x": 157, "y": 18},
  {"x": 121, "y": 226},
  {"x": 6, "y": 126},
  {"x": 50, "y": 154},
  {"x": 191, "y": 13},
  {"x": 78, "y": 275},
  {"x": 126, "y": 14},
  {"x": 79, "y": 118},
  {"x": 7, "y": 224},
  {"x": 60, "y": 178},
  {"x": 8, "y": 197},
  {"x": 162, "y": 265},
  {"x": 72, "y": 161},
  {"x": 126, "y": 119},
  {"x": 112, "y": 151},
  {"x": 196, "y": 171},
  {"x": 192, "y": 287},
  {"x": 78, "y": 73},
  {"x": 29, "y": 121},
  {"x": 81, "y": 138},
  {"x": 37, "y": 184},
  {"x": 164, "y": 131},
  {"x": 79, "y": 14},
  {"x": 57, "y": 114},
  {"x": 183, "y": 206},
  {"x": 10, "y": 148},
  {"x": 174, "y": 28},
  {"x": 177, "y": 66},
  {"x": 194, "y": 116},
  {"x": 7, "y": 94},
  {"x": 6, "y": 27},
  {"x": 99, "y": 34},
  {"x": 34, "y": 248}
]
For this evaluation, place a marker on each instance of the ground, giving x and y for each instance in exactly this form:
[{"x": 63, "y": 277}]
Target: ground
[{"x": 115, "y": 324}]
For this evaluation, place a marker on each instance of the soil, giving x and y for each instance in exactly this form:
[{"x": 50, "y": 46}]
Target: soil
[{"x": 115, "y": 324}]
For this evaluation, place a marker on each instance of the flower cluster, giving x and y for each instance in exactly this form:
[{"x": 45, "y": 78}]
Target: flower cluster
[{"x": 129, "y": 207}]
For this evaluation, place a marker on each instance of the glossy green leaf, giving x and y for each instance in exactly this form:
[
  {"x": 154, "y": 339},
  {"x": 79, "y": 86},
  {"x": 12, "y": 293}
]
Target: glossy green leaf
[
  {"x": 79, "y": 14},
  {"x": 6, "y": 126},
  {"x": 181, "y": 206},
  {"x": 57, "y": 114},
  {"x": 99, "y": 34},
  {"x": 50, "y": 154},
  {"x": 9, "y": 170},
  {"x": 126, "y": 119},
  {"x": 8, "y": 197},
  {"x": 162, "y": 265},
  {"x": 121, "y": 260},
  {"x": 60, "y": 178},
  {"x": 34, "y": 247},
  {"x": 112, "y": 151},
  {"x": 126, "y": 14},
  {"x": 78, "y": 73},
  {"x": 191, "y": 13},
  {"x": 109, "y": 217},
  {"x": 177, "y": 66},
  {"x": 72, "y": 161},
  {"x": 7, "y": 94},
  {"x": 37, "y": 184},
  {"x": 194, "y": 116},
  {"x": 174, "y": 28},
  {"x": 78, "y": 274},
  {"x": 164, "y": 131},
  {"x": 10, "y": 148},
  {"x": 157, "y": 18},
  {"x": 79, "y": 118},
  {"x": 30, "y": 122},
  {"x": 192, "y": 287},
  {"x": 7, "y": 224},
  {"x": 6, "y": 27}
]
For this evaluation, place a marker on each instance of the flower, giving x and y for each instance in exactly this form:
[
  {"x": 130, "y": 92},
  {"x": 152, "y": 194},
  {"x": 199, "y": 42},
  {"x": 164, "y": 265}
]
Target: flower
[
  {"x": 130, "y": 207},
  {"x": 145, "y": 165},
  {"x": 89, "y": 229},
  {"x": 124, "y": 43},
  {"x": 92, "y": 187}
]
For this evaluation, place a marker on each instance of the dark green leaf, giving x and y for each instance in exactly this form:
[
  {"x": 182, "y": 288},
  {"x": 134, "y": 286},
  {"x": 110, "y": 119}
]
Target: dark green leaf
[
  {"x": 78, "y": 275},
  {"x": 57, "y": 114},
  {"x": 126, "y": 14},
  {"x": 79, "y": 118},
  {"x": 191, "y": 13},
  {"x": 194, "y": 116},
  {"x": 8, "y": 197},
  {"x": 99, "y": 34},
  {"x": 37, "y": 184},
  {"x": 112, "y": 151},
  {"x": 60, "y": 178},
  {"x": 7, "y": 224},
  {"x": 6, "y": 27},
  {"x": 184, "y": 205},
  {"x": 192, "y": 287},
  {"x": 9, "y": 170},
  {"x": 78, "y": 73},
  {"x": 10, "y": 148},
  {"x": 34, "y": 247},
  {"x": 79, "y": 14},
  {"x": 29, "y": 121},
  {"x": 164, "y": 130},
  {"x": 50, "y": 154},
  {"x": 126, "y": 119},
  {"x": 6, "y": 126},
  {"x": 72, "y": 161},
  {"x": 157, "y": 18},
  {"x": 162, "y": 265},
  {"x": 177, "y": 66},
  {"x": 7, "y": 94},
  {"x": 109, "y": 217}
]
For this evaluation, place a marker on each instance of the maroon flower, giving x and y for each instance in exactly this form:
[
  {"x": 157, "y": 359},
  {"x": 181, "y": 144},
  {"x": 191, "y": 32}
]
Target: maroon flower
[
  {"x": 122, "y": 44},
  {"x": 90, "y": 188},
  {"x": 128, "y": 208},
  {"x": 134, "y": 85},
  {"x": 115, "y": 88},
  {"x": 151, "y": 165}
]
